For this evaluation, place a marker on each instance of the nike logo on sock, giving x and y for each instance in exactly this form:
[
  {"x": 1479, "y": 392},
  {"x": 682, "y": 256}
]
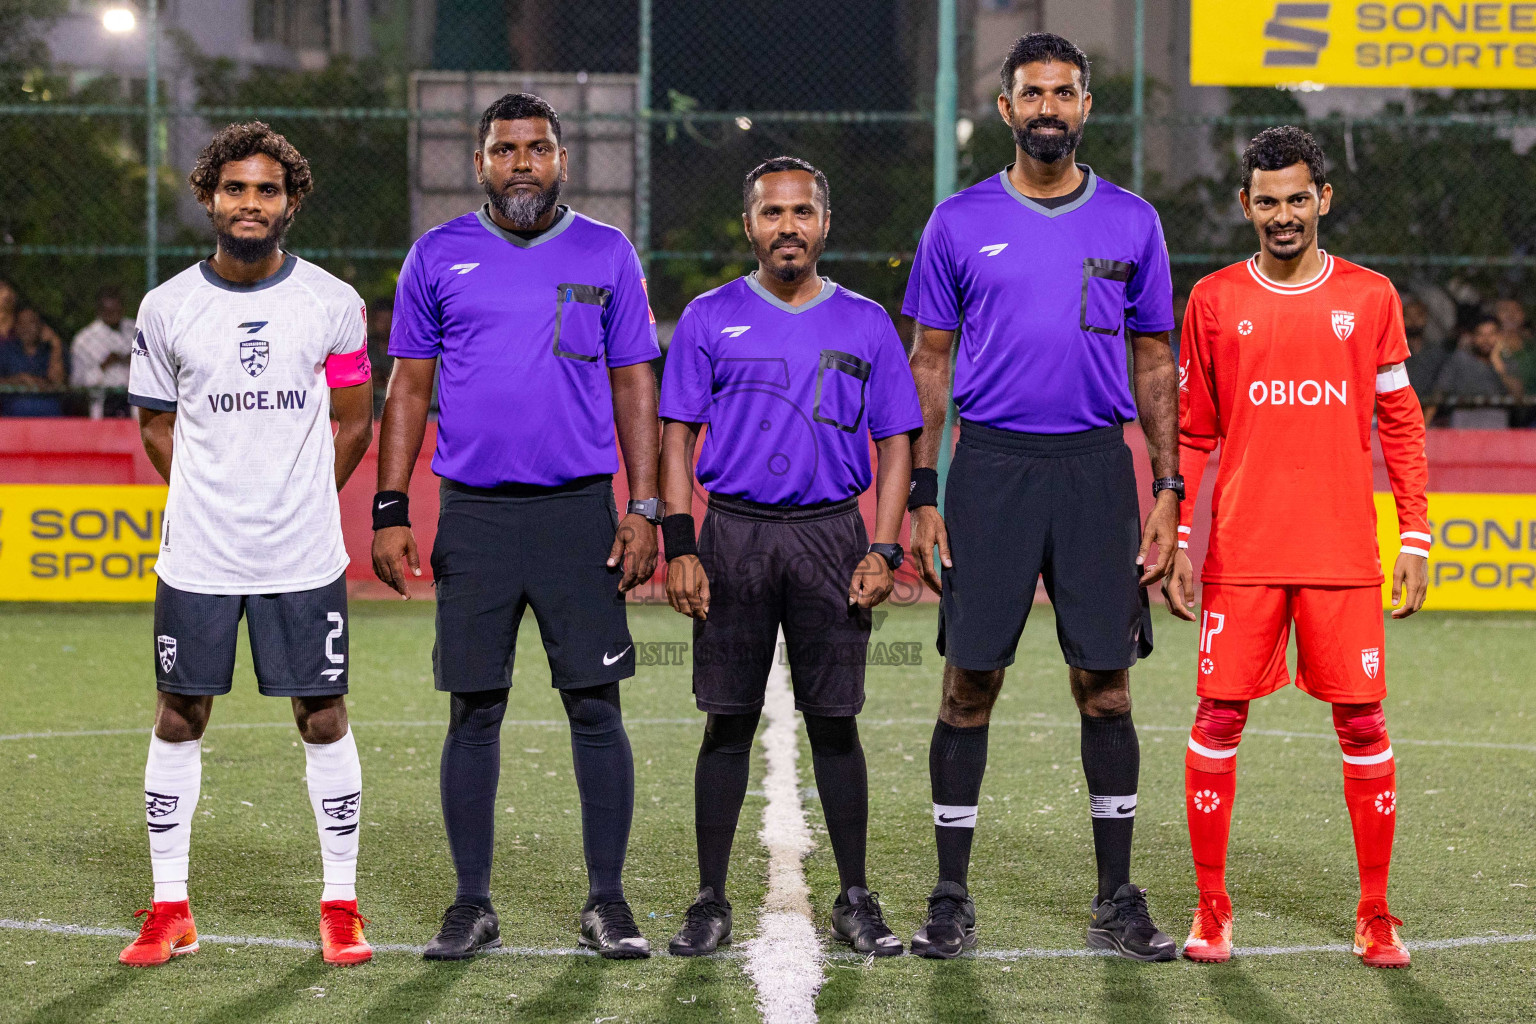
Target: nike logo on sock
[
  {"x": 609, "y": 661},
  {"x": 945, "y": 819}
]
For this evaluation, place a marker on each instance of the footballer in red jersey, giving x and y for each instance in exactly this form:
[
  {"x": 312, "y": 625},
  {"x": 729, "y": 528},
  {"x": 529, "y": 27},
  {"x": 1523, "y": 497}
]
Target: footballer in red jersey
[{"x": 1285, "y": 360}]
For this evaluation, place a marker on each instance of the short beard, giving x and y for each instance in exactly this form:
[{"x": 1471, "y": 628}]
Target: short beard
[
  {"x": 252, "y": 250},
  {"x": 764, "y": 254},
  {"x": 523, "y": 210},
  {"x": 1048, "y": 149},
  {"x": 1302, "y": 243}
]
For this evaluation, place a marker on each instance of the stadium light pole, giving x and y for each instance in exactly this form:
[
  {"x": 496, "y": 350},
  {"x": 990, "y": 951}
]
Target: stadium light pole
[
  {"x": 151, "y": 146},
  {"x": 944, "y": 146},
  {"x": 643, "y": 140},
  {"x": 1139, "y": 101}
]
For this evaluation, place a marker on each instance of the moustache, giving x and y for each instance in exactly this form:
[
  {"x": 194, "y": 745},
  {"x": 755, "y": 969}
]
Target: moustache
[
  {"x": 790, "y": 243},
  {"x": 1046, "y": 122}
]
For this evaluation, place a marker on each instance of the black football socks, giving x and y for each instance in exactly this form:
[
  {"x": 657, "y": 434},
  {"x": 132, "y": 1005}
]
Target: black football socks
[
  {"x": 842, "y": 781},
  {"x": 719, "y": 788},
  {"x": 957, "y": 759},
  {"x": 1112, "y": 765},
  {"x": 605, "y": 778},
  {"x": 467, "y": 780}
]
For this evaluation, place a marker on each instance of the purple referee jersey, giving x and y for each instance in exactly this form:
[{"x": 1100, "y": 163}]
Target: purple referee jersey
[
  {"x": 792, "y": 394},
  {"x": 1042, "y": 299},
  {"x": 526, "y": 331}
]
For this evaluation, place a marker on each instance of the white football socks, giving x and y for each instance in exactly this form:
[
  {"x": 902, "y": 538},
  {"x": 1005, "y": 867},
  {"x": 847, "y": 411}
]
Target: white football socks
[
  {"x": 335, "y": 778},
  {"x": 173, "y": 777}
]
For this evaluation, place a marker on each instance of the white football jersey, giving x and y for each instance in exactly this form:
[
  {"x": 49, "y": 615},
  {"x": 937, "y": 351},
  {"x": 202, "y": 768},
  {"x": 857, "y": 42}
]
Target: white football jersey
[{"x": 252, "y": 506}]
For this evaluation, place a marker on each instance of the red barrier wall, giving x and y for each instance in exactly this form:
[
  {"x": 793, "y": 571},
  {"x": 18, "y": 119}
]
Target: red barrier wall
[{"x": 76, "y": 451}]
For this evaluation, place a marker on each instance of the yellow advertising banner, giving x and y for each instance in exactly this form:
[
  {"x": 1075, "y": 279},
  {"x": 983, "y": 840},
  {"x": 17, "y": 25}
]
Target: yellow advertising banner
[
  {"x": 1484, "y": 554},
  {"x": 1424, "y": 45},
  {"x": 79, "y": 542},
  {"x": 99, "y": 543}
]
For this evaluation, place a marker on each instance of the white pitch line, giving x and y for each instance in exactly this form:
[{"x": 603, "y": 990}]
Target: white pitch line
[
  {"x": 784, "y": 961},
  {"x": 1042, "y": 723},
  {"x": 541, "y": 723},
  {"x": 88, "y": 931}
]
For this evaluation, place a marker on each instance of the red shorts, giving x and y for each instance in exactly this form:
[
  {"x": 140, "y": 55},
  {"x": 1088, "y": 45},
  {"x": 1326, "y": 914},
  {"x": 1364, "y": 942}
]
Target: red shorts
[{"x": 1245, "y": 629}]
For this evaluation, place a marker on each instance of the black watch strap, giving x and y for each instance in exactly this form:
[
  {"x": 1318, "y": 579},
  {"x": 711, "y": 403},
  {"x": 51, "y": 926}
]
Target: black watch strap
[
  {"x": 892, "y": 553},
  {"x": 1173, "y": 483},
  {"x": 653, "y": 509}
]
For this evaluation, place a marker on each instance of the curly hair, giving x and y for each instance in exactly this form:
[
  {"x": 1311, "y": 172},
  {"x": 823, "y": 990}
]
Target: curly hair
[
  {"x": 1275, "y": 149},
  {"x": 239, "y": 141}
]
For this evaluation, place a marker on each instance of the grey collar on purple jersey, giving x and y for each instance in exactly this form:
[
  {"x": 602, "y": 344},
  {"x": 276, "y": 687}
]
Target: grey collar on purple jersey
[
  {"x": 827, "y": 288},
  {"x": 1089, "y": 188},
  {"x": 565, "y": 219}
]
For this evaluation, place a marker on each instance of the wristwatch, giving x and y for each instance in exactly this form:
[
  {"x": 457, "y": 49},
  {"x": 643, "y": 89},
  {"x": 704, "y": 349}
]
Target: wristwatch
[
  {"x": 653, "y": 509},
  {"x": 1173, "y": 483},
  {"x": 892, "y": 554}
]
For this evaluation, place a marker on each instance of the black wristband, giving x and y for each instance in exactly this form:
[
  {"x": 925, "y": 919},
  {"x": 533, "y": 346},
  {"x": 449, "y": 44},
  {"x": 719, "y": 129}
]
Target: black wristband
[
  {"x": 391, "y": 508},
  {"x": 925, "y": 488},
  {"x": 677, "y": 536}
]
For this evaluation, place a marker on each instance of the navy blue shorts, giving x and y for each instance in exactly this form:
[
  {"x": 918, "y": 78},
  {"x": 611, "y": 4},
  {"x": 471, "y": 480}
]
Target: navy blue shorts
[
  {"x": 772, "y": 567},
  {"x": 298, "y": 640},
  {"x": 1020, "y": 507},
  {"x": 500, "y": 551}
]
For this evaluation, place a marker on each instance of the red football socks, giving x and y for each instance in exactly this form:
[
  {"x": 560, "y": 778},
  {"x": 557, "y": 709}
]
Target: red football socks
[
  {"x": 1370, "y": 790},
  {"x": 1210, "y": 784}
]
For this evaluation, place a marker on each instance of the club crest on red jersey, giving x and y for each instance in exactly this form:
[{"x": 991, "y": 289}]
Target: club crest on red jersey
[
  {"x": 1343, "y": 323},
  {"x": 1370, "y": 660}
]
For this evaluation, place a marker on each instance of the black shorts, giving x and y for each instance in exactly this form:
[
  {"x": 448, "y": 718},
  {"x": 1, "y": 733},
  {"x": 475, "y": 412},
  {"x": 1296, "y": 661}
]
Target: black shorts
[
  {"x": 772, "y": 566},
  {"x": 501, "y": 550},
  {"x": 1062, "y": 506},
  {"x": 298, "y": 640}
]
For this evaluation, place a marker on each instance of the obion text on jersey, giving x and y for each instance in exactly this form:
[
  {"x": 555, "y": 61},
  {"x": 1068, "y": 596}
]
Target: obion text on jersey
[{"x": 1298, "y": 392}]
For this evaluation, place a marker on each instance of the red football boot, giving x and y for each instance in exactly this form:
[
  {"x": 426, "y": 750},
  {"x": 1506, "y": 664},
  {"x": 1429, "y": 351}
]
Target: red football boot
[
  {"x": 167, "y": 931},
  {"x": 1210, "y": 937},
  {"x": 341, "y": 933},
  {"x": 1377, "y": 943}
]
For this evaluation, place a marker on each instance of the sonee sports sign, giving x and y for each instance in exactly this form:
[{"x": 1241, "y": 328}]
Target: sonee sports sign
[
  {"x": 1467, "y": 45},
  {"x": 80, "y": 543}
]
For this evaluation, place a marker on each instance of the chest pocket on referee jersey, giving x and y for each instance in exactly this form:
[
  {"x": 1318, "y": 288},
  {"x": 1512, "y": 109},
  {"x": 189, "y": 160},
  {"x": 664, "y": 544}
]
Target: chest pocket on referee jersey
[
  {"x": 1104, "y": 283},
  {"x": 841, "y": 383},
  {"x": 579, "y": 321}
]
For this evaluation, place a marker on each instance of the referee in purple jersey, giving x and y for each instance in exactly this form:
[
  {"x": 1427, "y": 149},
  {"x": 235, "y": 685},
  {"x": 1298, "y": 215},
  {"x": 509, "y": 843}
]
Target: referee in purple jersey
[
  {"x": 794, "y": 376},
  {"x": 1041, "y": 271},
  {"x": 534, "y": 321}
]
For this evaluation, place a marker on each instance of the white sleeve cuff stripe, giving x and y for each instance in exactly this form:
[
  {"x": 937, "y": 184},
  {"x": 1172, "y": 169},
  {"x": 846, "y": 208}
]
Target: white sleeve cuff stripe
[
  {"x": 1184, "y": 545},
  {"x": 1385, "y": 755},
  {"x": 1204, "y": 751},
  {"x": 1412, "y": 535},
  {"x": 1421, "y": 552},
  {"x": 1395, "y": 378},
  {"x": 1185, "y": 529}
]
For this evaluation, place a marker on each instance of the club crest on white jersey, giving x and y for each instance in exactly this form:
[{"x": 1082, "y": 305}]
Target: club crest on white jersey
[{"x": 1343, "y": 324}]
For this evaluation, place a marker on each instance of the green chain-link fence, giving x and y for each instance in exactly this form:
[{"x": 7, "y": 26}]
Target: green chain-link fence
[{"x": 667, "y": 105}]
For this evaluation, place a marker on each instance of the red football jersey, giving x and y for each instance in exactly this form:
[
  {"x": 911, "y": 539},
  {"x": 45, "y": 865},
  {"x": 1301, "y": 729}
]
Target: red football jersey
[{"x": 1284, "y": 377}]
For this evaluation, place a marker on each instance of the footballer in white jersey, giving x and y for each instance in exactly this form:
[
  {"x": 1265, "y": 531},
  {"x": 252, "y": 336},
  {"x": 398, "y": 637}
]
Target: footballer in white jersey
[{"x": 240, "y": 366}]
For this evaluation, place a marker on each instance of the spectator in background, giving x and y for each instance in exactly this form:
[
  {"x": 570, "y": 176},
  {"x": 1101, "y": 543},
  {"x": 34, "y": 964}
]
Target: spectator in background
[
  {"x": 1425, "y": 360},
  {"x": 32, "y": 359},
  {"x": 99, "y": 355},
  {"x": 1477, "y": 370},
  {"x": 1519, "y": 351},
  {"x": 7, "y": 311}
]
